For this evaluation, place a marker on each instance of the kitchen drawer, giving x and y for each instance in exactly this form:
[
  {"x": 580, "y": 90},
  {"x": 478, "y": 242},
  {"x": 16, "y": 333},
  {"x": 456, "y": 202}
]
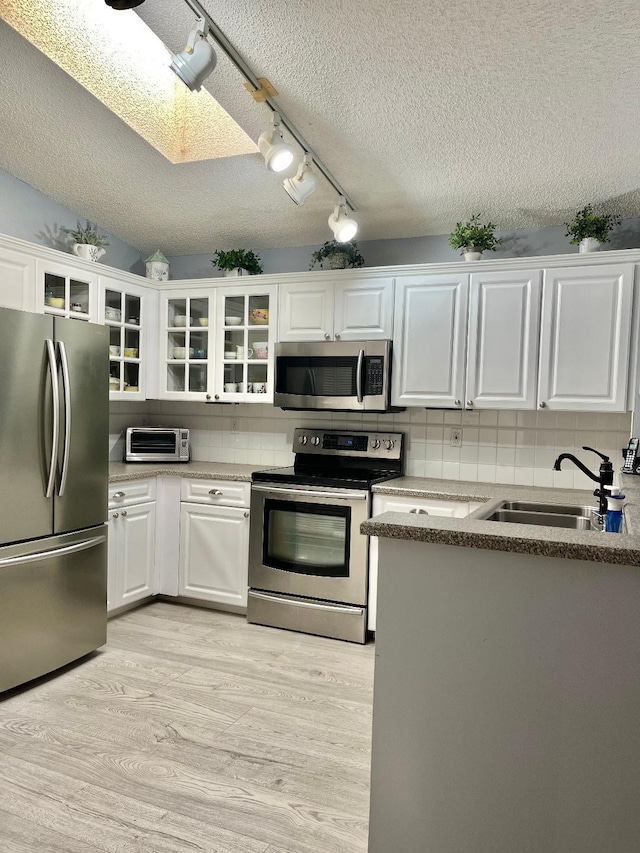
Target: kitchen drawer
[
  {"x": 131, "y": 492},
  {"x": 430, "y": 506},
  {"x": 215, "y": 492}
]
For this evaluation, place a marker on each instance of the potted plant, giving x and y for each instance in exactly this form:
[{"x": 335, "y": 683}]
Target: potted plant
[
  {"x": 339, "y": 255},
  {"x": 88, "y": 243},
  {"x": 474, "y": 238},
  {"x": 588, "y": 229},
  {"x": 235, "y": 261}
]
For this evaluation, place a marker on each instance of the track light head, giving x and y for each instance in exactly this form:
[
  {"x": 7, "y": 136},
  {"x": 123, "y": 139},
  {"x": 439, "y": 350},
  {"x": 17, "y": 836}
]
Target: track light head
[
  {"x": 278, "y": 154},
  {"x": 121, "y": 5},
  {"x": 194, "y": 64},
  {"x": 300, "y": 187},
  {"x": 343, "y": 226}
]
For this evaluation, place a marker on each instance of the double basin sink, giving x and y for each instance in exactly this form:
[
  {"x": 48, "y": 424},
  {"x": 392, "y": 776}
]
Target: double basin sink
[{"x": 542, "y": 514}]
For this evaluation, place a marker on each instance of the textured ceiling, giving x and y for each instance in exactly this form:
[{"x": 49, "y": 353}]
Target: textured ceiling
[{"x": 425, "y": 110}]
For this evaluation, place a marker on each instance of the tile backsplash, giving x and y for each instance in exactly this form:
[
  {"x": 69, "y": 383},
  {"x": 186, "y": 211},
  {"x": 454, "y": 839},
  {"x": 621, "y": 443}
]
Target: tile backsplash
[{"x": 496, "y": 447}]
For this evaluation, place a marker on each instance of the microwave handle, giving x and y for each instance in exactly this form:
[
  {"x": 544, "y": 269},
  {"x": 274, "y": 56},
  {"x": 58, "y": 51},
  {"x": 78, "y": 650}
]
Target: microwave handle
[{"x": 359, "y": 370}]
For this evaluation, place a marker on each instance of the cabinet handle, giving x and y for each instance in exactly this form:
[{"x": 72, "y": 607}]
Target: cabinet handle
[
  {"x": 124, "y": 513},
  {"x": 246, "y": 515},
  {"x": 327, "y": 336},
  {"x": 337, "y": 336},
  {"x": 543, "y": 405},
  {"x": 115, "y": 515},
  {"x": 215, "y": 492},
  {"x": 419, "y": 511},
  {"x": 118, "y": 494},
  {"x": 208, "y": 397},
  {"x": 456, "y": 402},
  {"x": 470, "y": 403},
  {"x": 217, "y": 397}
]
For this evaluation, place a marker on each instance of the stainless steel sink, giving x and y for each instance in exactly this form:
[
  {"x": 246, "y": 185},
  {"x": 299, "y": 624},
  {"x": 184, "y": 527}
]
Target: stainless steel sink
[{"x": 542, "y": 514}]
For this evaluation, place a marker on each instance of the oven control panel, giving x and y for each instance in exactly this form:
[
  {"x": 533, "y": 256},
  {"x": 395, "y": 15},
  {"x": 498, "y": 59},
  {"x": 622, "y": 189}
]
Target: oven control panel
[{"x": 368, "y": 445}]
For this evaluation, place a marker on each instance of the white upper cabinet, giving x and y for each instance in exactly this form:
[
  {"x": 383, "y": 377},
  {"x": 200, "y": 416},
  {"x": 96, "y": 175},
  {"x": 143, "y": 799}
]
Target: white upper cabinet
[
  {"x": 429, "y": 340},
  {"x": 364, "y": 310},
  {"x": 124, "y": 308},
  {"x": 17, "y": 280},
  {"x": 359, "y": 310},
  {"x": 584, "y": 350},
  {"x": 504, "y": 328},
  {"x": 66, "y": 291}
]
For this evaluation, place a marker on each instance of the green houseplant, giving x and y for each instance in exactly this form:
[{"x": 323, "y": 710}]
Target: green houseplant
[
  {"x": 473, "y": 238},
  {"x": 339, "y": 255},
  {"x": 236, "y": 260},
  {"x": 88, "y": 243},
  {"x": 588, "y": 229}
]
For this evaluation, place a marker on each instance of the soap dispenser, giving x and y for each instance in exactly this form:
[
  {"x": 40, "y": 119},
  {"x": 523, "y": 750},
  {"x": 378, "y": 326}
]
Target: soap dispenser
[{"x": 615, "y": 502}]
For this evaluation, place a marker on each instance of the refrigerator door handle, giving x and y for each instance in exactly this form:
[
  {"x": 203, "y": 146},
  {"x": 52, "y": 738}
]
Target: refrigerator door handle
[
  {"x": 54, "y": 552},
  {"x": 55, "y": 432},
  {"x": 66, "y": 385}
]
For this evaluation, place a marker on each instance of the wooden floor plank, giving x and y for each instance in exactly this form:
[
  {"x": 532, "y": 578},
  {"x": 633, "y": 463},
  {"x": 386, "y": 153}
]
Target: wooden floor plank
[{"x": 192, "y": 730}]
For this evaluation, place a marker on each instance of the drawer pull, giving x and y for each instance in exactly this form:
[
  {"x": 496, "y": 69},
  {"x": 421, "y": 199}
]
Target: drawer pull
[
  {"x": 115, "y": 515},
  {"x": 119, "y": 494},
  {"x": 215, "y": 492},
  {"x": 246, "y": 515},
  {"x": 419, "y": 511},
  {"x": 124, "y": 513}
]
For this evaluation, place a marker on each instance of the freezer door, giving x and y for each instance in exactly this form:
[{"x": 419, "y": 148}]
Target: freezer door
[
  {"x": 53, "y": 609},
  {"x": 83, "y": 456},
  {"x": 26, "y": 424}
]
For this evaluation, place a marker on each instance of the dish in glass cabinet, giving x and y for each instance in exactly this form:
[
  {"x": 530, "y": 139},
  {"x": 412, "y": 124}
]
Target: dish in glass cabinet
[
  {"x": 232, "y": 321},
  {"x": 54, "y": 301}
]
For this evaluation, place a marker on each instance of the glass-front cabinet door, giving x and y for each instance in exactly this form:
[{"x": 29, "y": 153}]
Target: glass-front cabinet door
[
  {"x": 246, "y": 323},
  {"x": 67, "y": 292},
  {"x": 123, "y": 309},
  {"x": 185, "y": 346}
]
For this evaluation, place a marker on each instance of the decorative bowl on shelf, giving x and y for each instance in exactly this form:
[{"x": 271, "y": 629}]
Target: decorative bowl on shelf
[
  {"x": 54, "y": 301},
  {"x": 259, "y": 316},
  {"x": 203, "y": 321},
  {"x": 130, "y": 352},
  {"x": 232, "y": 321},
  {"x": 180, "y": 320}
]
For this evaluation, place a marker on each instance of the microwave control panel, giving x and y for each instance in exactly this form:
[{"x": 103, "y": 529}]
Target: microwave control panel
[{"x": 373, "y": 375}]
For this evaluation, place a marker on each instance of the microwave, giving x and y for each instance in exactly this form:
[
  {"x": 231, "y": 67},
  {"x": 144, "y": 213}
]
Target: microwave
[
  {"x": 156, "y": 444},
  {"x": 334, "y": 375}
]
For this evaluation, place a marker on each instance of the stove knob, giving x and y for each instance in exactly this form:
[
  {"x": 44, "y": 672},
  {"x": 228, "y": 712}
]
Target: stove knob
[
  {"x": 315, "y": 441},
  {"x": 389, "y": 444},
  {"x": 303, "y": 439},
  {"x": 376, "y": 443}
]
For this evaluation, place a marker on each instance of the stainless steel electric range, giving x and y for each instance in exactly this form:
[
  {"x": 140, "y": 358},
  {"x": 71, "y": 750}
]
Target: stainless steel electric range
[{"x": 308, "y": 561}]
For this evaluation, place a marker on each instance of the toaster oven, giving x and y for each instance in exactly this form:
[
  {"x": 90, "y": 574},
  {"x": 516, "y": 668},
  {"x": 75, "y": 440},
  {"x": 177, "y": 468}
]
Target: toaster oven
[{"x": 156, "y": 444}]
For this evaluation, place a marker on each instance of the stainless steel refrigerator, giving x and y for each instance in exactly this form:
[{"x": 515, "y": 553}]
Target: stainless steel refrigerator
[{"x": 54, "y": 416}]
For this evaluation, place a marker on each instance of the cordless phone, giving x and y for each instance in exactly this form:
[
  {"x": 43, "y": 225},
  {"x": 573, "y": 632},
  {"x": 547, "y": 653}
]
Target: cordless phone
[{"x": 632, "y": 458}]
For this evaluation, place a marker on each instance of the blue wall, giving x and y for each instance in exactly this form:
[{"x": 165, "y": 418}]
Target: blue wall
[
  {"x": 415, "y": 250},
  {"x": 30, "y": 215}
]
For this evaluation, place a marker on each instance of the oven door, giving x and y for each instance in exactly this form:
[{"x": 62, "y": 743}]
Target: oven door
[{"x": 307, "y": 542}]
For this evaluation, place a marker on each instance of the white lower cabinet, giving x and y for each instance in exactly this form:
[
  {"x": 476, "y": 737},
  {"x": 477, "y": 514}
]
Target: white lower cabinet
[
  {"x": 131, "y": 565},
  {"x": 394, "y": 503},
  {"x": 214, "y": 553}
]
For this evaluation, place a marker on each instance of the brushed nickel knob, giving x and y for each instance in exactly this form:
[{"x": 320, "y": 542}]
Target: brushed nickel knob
[
  {"x": 337, "y": 336},
  {"x": 215, "y": 492},
  {"x": 246, "y": 515},
  {"x": 208, "y": 397},
  {"x": 124, "y": 513},
  {"x": 115, "y": 515},
  {"x": 543, "y": 405},
  {"x": 217, "y": 397},
  {"x": 456, "y": 402},
  {"x": 419, "y": 511},
  {"x": 469, "y": 402},
  {"x": 118, "y": 494},
  {"x": 327, "y": 336}
]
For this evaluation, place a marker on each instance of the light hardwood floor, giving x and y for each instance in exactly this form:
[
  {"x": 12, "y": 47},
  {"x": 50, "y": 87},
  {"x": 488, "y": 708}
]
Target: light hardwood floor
[{"x": 191, "y": 731}]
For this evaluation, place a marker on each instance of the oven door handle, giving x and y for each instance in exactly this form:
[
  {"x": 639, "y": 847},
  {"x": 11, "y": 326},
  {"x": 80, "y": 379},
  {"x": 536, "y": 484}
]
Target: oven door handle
[
  {"x": 359, "y": 370},
  {"x": 309, "y": 493}
]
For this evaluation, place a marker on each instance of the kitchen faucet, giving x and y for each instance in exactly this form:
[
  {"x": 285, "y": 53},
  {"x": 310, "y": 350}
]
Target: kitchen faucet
[{"x": 604, "y": 478}]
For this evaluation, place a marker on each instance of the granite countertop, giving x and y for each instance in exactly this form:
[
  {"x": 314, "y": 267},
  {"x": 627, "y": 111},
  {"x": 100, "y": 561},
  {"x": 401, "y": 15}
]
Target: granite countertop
[
  {"x": 472, "y": 532},
  {"x": 121, "y": 472}
]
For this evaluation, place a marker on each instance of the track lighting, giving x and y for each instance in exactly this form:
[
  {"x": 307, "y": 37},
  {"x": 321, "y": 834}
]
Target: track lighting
[
  {"x": 300, "y": 187},
  {"x": 278, "y": 154},
  {"x": 121, "y": 5},
  {"x": 344, "y": 228},
  {"x": 194, "y": 64}
]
